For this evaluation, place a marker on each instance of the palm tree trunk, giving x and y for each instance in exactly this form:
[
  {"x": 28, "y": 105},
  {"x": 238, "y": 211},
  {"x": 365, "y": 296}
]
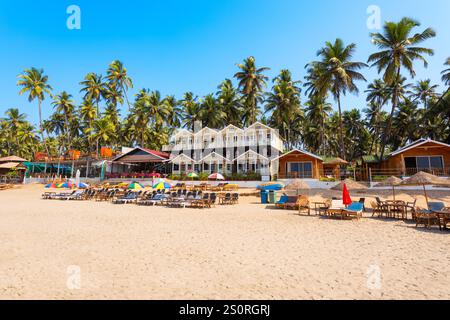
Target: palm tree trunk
[
  {"x": 41, "y": 127},
  {"x": 341, "y": 129},
  {"x": 389, "y": 125},
  {"x": 126, "y": 97}
]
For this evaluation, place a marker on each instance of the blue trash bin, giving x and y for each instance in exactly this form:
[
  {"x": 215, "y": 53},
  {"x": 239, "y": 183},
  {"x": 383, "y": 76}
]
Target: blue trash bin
[{"x": 264, "y": 197}]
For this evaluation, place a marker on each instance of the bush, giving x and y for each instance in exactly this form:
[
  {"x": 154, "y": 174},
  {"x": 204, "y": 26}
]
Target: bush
[{"x": 324, "y": 179}]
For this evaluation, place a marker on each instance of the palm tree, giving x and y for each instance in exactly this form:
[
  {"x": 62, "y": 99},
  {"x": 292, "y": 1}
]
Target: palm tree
[
  {"x": 424, "y": 91},
  {"x": 211, "y": 113},
  {"x": 94, "y": 88},
  {"x": 35, "y": 83},
  {"x": 104, "y": 131},
  {"x": 113, "y": 96},
  {"x": 446, "y": 73},
  {"x": 175, "y": 111},
  {"x": 231, "y": 103},
  {"x": 398, "y": 49},
  {"x": 191, "y": 110},
  {"x": 284, "y": 105},
  {"x": 252, "y": 82},
  {"x": 318, "y": 112},
  {"x": 118, "y": 79},
  {"x": 336, "y": 73},
  {"x": 65, "y": 105},
  {"x": 88, "y": 114},
  {"x": 10, "y": 125}
]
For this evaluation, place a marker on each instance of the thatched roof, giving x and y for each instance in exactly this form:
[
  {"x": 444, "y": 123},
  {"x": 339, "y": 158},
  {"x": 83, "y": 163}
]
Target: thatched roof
[
  {"x": 389, "y": 182},
  {"x": 334, "y": 161},
  {"x": 351, "y": 185},
  {"x": 12, "y": 159},
  {"x": 297, "y": 185},
  {"x": 423, "y": 178},
  {"x": 12, "y": 165}
]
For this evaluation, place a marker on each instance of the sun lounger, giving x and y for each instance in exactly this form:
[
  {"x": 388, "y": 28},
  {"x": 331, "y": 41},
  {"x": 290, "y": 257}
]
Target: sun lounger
[
  {"x": 282, "y": 202},
  {"x": 130, "y": 198},
  {"x": 335, "y": 208},
  {"x": 78, "y": 195},
  {"x": 355, "y": 210}
]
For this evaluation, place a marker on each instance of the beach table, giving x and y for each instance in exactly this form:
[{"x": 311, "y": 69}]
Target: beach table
[{"x": 320, "y": 207}]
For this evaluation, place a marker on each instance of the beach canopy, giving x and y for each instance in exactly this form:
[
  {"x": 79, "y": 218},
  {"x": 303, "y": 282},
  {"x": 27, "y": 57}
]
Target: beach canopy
[
  {"x": 216, "y": 176},
  {"x": 390, "y": 182},
  {"x": 163, "y": 185},
  {"x": 425, "y": 179},
  {"x": 135, "y": 186},
  {"x": 297, "y": 184},
  {"x": 271, "y": 186},
  {"x": 351, "y": 185},
  {"x": 347, "y": 200}
]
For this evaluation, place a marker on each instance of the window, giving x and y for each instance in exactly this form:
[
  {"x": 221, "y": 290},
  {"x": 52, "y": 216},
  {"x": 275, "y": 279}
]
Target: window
[
  {"x": 303, "y": 170},
  {"x": 427, "y": 164},
  {"x": 176, "y": 167}
]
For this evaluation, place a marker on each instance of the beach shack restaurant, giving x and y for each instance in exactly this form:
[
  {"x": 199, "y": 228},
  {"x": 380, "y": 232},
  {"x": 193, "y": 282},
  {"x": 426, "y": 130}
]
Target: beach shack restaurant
[
  {"x": 422, "y": 155},
  {"x": 139, "y": 162}
]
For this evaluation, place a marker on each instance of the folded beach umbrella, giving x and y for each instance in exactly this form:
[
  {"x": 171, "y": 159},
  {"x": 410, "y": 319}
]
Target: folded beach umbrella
[
  {"x": 163, "y": 185},
  {"x": 135, "y": 186},
  {"x": 346, "y": 196},
  {"x": 216, "y": 176}
]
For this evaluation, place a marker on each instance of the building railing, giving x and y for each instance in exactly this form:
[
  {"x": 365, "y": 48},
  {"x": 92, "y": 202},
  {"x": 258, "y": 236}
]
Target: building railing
[{"x": 380, "y": 174}]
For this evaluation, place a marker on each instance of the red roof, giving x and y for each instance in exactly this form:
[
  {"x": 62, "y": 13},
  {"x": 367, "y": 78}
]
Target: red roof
[{"x": 157, "y": 153}]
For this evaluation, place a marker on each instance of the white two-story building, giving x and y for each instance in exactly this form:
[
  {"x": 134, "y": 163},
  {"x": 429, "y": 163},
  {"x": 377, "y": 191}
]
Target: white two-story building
[{"x": 227, "y": 151}]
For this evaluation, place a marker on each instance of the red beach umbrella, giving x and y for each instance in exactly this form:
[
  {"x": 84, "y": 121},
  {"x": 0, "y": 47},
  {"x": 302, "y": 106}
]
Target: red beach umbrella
[{"x": 346, "y": 196}]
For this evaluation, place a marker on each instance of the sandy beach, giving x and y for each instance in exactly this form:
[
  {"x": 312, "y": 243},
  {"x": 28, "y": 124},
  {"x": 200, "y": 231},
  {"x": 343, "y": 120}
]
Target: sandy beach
[{"x": 248, "y": 251}]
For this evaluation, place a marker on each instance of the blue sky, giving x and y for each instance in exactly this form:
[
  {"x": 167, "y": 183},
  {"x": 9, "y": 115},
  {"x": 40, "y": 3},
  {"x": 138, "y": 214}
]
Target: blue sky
[{"x": 176, "y": 46}]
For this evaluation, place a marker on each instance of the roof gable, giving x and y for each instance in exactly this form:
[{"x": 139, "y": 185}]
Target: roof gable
[
  {"x": 416, "y": 144},
  {"x": 299, "y": 151},
  {"x": 253, "y": 153},
  {"x": 140, "y": 154}
]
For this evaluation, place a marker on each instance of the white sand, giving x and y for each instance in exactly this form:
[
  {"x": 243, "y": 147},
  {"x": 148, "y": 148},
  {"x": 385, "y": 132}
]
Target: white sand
[{"x": 239, "y": 252}]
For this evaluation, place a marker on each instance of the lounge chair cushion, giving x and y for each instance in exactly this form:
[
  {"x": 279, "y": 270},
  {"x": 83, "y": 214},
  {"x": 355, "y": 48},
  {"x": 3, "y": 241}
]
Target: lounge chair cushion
[{"x": 355, "y": 207}]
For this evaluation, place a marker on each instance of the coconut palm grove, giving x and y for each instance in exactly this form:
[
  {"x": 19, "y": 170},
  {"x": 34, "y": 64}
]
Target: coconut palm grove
[{"x": 401, "y": 105}]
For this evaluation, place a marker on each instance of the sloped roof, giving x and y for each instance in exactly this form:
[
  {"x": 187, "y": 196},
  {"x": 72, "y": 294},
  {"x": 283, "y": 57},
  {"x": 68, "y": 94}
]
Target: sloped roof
[
  {"x": 182, "y": 155},
  {"x": 252, "y": 152},
  {"x": 12, "y": 159},
  {"x": 334, "y": 161},
  {"x": 299, "y": 151},
  {"x": 153, "y": 155},
  {"x": 416, "y": 144},
  {"x": 12, "y": 165}
]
